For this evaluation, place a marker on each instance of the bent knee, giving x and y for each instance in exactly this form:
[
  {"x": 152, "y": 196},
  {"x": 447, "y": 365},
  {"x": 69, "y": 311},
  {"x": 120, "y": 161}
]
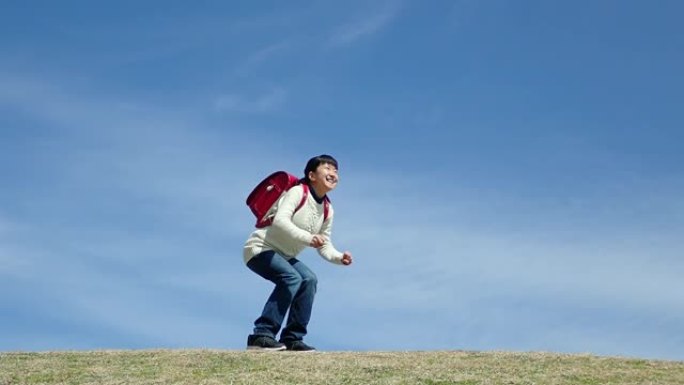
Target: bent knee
[
  {"x": 310, "y": 280},
  {"x": 292, "y": 279}
]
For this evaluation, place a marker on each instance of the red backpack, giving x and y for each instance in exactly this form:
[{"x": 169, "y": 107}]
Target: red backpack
[{"x": 269, "y": 190}]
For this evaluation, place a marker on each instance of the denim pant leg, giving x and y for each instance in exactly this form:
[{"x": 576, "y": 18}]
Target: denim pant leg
[
  {"x": 276, "y": 269},
  {"x": 300, "y": 310}
]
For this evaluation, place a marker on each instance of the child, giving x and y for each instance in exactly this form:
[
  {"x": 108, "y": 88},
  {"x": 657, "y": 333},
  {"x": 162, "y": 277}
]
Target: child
[{"x": 271, "y": 253}]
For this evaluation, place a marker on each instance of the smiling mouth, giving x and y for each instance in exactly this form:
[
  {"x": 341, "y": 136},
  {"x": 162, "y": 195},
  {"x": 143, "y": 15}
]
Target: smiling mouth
[{"x": 331, "y": 179}]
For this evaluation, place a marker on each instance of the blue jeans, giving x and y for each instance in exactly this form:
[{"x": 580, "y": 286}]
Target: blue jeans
[{"x": 295, "y": 288}]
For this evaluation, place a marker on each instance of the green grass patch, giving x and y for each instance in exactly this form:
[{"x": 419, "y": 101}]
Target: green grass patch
[{"x": 242, "y": 368}]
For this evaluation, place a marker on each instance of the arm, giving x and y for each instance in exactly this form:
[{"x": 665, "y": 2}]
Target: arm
[{"x": 328, "y": 250}]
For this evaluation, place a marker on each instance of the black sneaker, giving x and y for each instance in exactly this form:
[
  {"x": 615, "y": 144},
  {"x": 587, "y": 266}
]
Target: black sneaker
[
  {"x": 299, "y": 346},
  {"x": 257, "y": 342}
]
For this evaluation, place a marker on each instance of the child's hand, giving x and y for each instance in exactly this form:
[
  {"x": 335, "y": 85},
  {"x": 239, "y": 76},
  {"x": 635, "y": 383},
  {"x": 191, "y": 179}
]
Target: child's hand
[
  {"x": 317, "y": 241},
  {"x": 347, "y": 258}
]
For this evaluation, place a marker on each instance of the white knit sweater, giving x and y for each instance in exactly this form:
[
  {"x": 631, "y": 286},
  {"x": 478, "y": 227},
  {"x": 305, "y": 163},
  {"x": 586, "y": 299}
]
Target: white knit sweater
[{"x": 290, "y": 234}]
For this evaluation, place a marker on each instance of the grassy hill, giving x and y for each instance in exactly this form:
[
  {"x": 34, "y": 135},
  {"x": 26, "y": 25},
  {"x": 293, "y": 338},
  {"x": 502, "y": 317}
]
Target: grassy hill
[{"x": 238, "y": 367}]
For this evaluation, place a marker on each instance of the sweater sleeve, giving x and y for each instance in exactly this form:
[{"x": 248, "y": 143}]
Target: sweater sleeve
[
  {"x": 328, "y": 250},
  {"x": 283, "y": 217}
]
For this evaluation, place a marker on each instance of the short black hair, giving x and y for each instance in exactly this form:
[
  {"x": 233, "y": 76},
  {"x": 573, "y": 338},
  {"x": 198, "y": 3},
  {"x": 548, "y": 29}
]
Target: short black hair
[{"x": 316, "y": 161}]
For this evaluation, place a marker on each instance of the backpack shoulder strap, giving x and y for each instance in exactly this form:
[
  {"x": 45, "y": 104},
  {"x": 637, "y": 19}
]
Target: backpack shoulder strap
[
  {"x": 326, "y": 208},
  {"x": 305, "y": 187}
]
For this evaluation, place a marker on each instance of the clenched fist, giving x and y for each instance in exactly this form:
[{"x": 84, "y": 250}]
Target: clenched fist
[
  {"x": 317, "y": 241},
  {"x": 347, "y": 258}
]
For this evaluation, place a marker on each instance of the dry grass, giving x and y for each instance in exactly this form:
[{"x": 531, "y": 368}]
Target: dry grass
[{"x": 232, "y": 367}]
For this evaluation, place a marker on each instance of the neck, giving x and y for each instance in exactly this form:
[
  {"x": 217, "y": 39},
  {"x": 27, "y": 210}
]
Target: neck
[{"x": 317, "y": 192}]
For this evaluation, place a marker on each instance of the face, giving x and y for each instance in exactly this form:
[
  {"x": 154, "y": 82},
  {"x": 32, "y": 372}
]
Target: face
[{"x": 325, "y": 178}]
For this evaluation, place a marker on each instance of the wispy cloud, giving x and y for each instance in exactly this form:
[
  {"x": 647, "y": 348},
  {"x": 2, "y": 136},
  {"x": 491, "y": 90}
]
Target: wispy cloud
[
  {"x": 365, "y": 26},
  {"x": 266, "y": 103},
  {"x": 263, "y": 55}
]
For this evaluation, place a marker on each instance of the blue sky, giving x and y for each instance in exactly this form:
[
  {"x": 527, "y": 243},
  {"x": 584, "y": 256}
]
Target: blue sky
[{"x": 511, "y": 172}]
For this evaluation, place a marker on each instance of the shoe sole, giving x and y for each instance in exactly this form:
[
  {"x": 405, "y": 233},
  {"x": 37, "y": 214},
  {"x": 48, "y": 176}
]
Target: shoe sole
[{"x": 260, "y": 349}]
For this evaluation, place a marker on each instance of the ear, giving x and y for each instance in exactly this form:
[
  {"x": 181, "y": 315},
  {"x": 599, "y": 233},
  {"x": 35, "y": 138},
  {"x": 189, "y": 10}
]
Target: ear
[{"x": 312, "y": 176}]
